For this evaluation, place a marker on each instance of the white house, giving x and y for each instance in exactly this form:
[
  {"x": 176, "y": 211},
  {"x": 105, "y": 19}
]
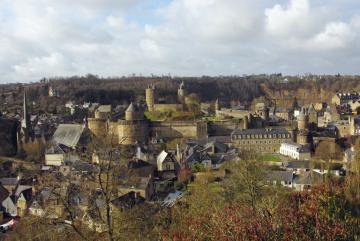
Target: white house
[
  {"x": 54, "y": 156},
  {"x": 166, "y": 162},
  {"x": 295, "y": 151},
  {"x": 6, "y": 203}
]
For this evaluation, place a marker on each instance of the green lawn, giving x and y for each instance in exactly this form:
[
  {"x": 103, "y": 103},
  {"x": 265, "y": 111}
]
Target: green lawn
[{"x": 270, "y": 158}]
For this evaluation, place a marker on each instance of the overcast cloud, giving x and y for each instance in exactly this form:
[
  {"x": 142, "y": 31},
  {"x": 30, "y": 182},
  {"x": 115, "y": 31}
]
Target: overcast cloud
[{"x": 46, "y": 38}]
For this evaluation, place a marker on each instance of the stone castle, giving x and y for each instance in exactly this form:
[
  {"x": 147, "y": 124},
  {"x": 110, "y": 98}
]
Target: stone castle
[
  {"x": 153, "y": 106},
  {"x": 135, "y": 128}
]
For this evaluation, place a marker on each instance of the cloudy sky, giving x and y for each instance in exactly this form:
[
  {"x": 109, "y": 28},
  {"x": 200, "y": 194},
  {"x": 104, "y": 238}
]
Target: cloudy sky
[{"x": 45, "y": 38}]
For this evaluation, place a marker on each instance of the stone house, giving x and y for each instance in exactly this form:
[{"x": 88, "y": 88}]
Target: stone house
[{"x": 139, "y": 178}]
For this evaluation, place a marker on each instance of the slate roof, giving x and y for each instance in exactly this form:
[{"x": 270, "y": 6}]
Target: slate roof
[
  {"x": 9, "y": 181},
  {"x": 68, "y": 134},
  {"x": 21, "y": 188},
  {"x": 303, "y": 179},
  {"x": 298, "y": 164},
  {"x": 279, "y": 176},
  {"x": 127, "y": 201},
  {"x": 3, "y": 193},
  {"x": 261, "y": 131}
]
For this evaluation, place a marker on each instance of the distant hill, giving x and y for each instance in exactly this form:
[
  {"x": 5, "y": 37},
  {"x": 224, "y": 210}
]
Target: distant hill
[{"x": 239, "y": 89}]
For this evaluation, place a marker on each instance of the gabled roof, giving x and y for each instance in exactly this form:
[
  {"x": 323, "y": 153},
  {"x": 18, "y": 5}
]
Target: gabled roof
[
  {"x": 3, "y": 193},
  {"x": 68, "y": 134},
  {"x": 9, "y": 181},
  {"x": 20, "y": 189},
  {"x": 128, "y": 200},
  {"x": 311, "y": 109},
  {"x": 104, "y": 108},
  {"x": 298, "y": 164},
  {"x": 286, "y": 176},
  {"x": 54, "y": 149},
  {"x": 162, "y": 157}
]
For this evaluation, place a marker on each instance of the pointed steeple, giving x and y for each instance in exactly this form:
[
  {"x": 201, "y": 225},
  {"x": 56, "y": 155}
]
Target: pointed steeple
[
  {"x": 217, "y": 105},
  {"x": 26, "y": 115},
  {"x": 181, "y": 86},
  {"x": 26, "y": 124}
]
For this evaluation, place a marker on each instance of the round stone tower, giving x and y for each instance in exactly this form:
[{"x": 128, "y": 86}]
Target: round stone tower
[
  {"x": 133, "y": 112},
  {"x": 134, "y": 128},
  {"x": 302, "y": 137},
  {"x": 132, "y": 132},
  {"x": 97, "y": 126},
  {"x": 313, "y": 116},
  {"x": 302, "y": 120},
  {"x": 217, "y": 105},
  {"x": 150, "y": 97},
  {"x": 246, "y": 123}
]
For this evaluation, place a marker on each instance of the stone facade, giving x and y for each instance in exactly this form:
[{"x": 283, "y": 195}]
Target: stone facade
[
  {"x": 265, "y": 140},
  {"x": 135, "y": 128},
  {"x": 150, "y": 97},
  {"x": 179, "y": 129}
]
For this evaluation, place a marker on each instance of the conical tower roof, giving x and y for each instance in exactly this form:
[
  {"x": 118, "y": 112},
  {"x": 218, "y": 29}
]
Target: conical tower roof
[
  {"x": 131, "y": 108},
  {"x": 302, "y": 114},
  {"x": 26, "y": 115}
]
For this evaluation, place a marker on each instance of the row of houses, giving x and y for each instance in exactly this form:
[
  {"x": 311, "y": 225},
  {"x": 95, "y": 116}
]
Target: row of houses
[{"x": 300, "y": 175}]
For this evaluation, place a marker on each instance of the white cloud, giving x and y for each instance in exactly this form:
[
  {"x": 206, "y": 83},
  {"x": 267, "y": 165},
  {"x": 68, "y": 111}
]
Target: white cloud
[
  {"x": 52, "y": 65},
  {"x": 41, "y": 38},
  {"x": 212, "y": 19},
  {"x": 335, "y": 35},
  {"x": 296, "y": 19}
]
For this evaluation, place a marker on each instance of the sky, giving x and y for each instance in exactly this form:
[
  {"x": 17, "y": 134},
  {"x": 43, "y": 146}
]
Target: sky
[{"x": 51, "y": 38}]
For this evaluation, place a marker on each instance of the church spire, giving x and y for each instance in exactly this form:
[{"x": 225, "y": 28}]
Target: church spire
[{"x": 26, "y": 126}]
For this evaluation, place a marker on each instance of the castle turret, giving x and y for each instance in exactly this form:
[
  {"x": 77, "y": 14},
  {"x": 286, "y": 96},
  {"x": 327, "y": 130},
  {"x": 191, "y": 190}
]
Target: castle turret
[
  {"x": 133, "y": 112},
  {"x": 217, "y": 105},
  {"x": 150, "y": 97},
  {"x": 313, "y": 116},
  {"x": 302, "y": 137},
  {"x": 98, "y": 126},
  {"x": 302, "y": 120},
  {"x": 263, "y": 111},
  {"x": 246, "y": 123},
  {"x": 181, "y": 93},
  {"x": 134, "y": 128}
]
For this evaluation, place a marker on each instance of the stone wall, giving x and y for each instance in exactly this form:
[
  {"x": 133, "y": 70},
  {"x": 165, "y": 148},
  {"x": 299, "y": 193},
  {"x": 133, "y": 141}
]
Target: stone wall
[
  {"x": 179, "y": 129},
  {"x": 233, "y": 113},
  {"x": 97, "y": 126},
  {"x": 223, "y": 128},
  {"x": 131, "y": 132},
  {"x": 168, "y": 107}
]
